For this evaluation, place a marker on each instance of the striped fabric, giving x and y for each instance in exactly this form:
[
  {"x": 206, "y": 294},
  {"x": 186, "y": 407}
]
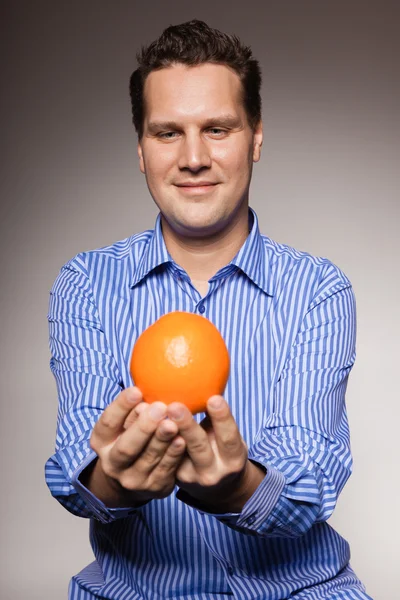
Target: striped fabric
[{"x": 288, "y": 320}]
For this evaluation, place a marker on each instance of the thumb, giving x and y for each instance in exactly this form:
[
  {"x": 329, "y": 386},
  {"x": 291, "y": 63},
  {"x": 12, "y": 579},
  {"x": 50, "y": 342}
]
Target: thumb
[{"x": 111, "y": 422}]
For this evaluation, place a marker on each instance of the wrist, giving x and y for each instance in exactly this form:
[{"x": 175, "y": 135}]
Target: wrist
[
  {"x": 234, "y": 493},
  {"x": 252, "y": 476},
  {"x": 108, "y": 489}
]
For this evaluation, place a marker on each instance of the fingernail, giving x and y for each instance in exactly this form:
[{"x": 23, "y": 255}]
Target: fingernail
[
  {"x": 178, "y": 443},
  {"x": 215, "y": 402},
  {"x": 139, "y": 408},
  {"x": 176, "y": 412},
  {"x": 133, "y": 394},
  {"x": 157, "y": 411}
]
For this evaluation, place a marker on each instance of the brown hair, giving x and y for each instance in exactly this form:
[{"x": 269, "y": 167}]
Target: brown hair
[{"x": 193, "y": 43}]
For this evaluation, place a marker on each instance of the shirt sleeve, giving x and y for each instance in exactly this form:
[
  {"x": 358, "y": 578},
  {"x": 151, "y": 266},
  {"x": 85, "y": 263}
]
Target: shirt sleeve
[
  {"x": 88, "y": 379},
  {"x": 305, "y": 443}
]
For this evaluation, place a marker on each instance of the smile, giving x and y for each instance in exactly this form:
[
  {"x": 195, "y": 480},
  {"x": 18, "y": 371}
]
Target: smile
[{"x": 201, "y": 188}]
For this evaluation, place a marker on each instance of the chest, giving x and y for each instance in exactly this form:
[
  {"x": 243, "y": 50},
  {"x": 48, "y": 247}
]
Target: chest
[
  {"x": 258, "y": 330},
  {"x": 245, "y": 317}
]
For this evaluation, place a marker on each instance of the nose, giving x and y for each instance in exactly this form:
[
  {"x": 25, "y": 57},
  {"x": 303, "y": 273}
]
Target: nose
[{"x": 194, "y": 153}]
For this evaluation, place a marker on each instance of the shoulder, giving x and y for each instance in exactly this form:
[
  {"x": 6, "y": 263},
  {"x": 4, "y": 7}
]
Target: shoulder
[
  {"x": 105, "y": 264},
  {"x": 300, "y": 270},
  {"x": 123, "y": 253}
]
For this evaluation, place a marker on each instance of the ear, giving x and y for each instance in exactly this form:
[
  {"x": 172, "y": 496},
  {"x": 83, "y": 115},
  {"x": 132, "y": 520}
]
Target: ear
[
  {"x": 257, "y": 142},
  {"x": 141, "y": 159}
]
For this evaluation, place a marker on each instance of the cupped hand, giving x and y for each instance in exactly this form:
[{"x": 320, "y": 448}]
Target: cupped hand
[
  {"x": 138, "y": 449},
  {"x": 215, "y": 470}
]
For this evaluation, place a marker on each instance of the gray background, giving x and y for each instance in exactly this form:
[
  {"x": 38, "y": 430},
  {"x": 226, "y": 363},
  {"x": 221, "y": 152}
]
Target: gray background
[{"x": 327, "y": 183}]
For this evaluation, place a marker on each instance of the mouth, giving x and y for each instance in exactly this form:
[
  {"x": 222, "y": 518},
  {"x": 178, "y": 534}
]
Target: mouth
[{"x": 200, "y": 187}]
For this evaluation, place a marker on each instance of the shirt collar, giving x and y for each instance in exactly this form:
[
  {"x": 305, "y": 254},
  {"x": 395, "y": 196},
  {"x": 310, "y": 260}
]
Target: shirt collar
[
  {"x": 251, "y": 258},
  {"x": 155, "y": 254}
]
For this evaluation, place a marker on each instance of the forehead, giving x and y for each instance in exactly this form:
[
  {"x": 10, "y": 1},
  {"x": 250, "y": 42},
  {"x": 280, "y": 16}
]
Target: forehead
[{"x": 182, "y": 91}]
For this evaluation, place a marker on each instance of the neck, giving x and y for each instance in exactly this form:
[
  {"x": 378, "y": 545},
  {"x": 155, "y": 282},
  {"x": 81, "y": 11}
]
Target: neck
[{"x": 202, "y": 257}]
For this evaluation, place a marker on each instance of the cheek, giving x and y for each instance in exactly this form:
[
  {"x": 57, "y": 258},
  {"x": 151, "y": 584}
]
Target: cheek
[
  {"x": 158, "y": 164},
  {"x": 235, "y": 160}
]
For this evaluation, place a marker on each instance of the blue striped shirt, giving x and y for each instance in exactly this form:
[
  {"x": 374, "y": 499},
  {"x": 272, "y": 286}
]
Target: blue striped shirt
[{"x": 288, "y": 320}]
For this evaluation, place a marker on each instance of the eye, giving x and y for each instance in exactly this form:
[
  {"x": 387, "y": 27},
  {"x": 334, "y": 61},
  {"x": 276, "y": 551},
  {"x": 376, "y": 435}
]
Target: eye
[
  {"x": 167, "y": 135},
  {"x": 217, "y": 131}
]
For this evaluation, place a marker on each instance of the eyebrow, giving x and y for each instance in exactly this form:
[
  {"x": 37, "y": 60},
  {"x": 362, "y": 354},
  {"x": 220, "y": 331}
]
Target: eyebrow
[{"x": 220, "y": 121}]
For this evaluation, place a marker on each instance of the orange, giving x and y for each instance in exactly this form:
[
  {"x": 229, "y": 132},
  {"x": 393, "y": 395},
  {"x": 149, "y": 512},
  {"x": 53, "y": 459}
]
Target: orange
[{"x": 181, "y": 357}]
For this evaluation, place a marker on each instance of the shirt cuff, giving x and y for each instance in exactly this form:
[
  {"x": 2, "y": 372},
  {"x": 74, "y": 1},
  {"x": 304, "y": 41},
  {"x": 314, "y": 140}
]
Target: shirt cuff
[
  {"x": 100, "y": 511},
  {"x": 262, "y": 502}
]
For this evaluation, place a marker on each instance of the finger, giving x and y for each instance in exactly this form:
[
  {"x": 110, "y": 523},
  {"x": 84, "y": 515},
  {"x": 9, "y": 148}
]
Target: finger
[
  {"x": 227, "y": 435},
  {"x": 197, "y": 443},
  {"x": 132, "y": 442},
  {"x": 164, "y": 452},
  {"x": 111, "y": 422},
  {"x": 134, "y": 414},
  {"x": 171, "y": 459},
  {"x": 158, "y": 444},
  {"x": 166, "y": 430}
]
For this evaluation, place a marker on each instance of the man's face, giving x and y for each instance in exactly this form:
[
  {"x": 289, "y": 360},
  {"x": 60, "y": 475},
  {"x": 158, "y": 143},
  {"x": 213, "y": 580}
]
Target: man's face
[{"x": 198, "y": 148}]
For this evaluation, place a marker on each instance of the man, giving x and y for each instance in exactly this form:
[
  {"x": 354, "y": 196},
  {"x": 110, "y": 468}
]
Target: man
[{"x": 235, "y": 506}]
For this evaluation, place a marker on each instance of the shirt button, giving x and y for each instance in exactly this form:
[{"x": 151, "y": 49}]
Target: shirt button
[
  {"x": 202, "y": 308},
  {"x": 230, "y": 570},
  {"x": 251, "y": 520}
]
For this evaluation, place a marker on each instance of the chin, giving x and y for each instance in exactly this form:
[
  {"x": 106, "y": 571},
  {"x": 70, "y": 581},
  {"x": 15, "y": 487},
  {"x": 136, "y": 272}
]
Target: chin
[
  {"x": 202, "y": 218},
  {"x": 200, "y": 227}
]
